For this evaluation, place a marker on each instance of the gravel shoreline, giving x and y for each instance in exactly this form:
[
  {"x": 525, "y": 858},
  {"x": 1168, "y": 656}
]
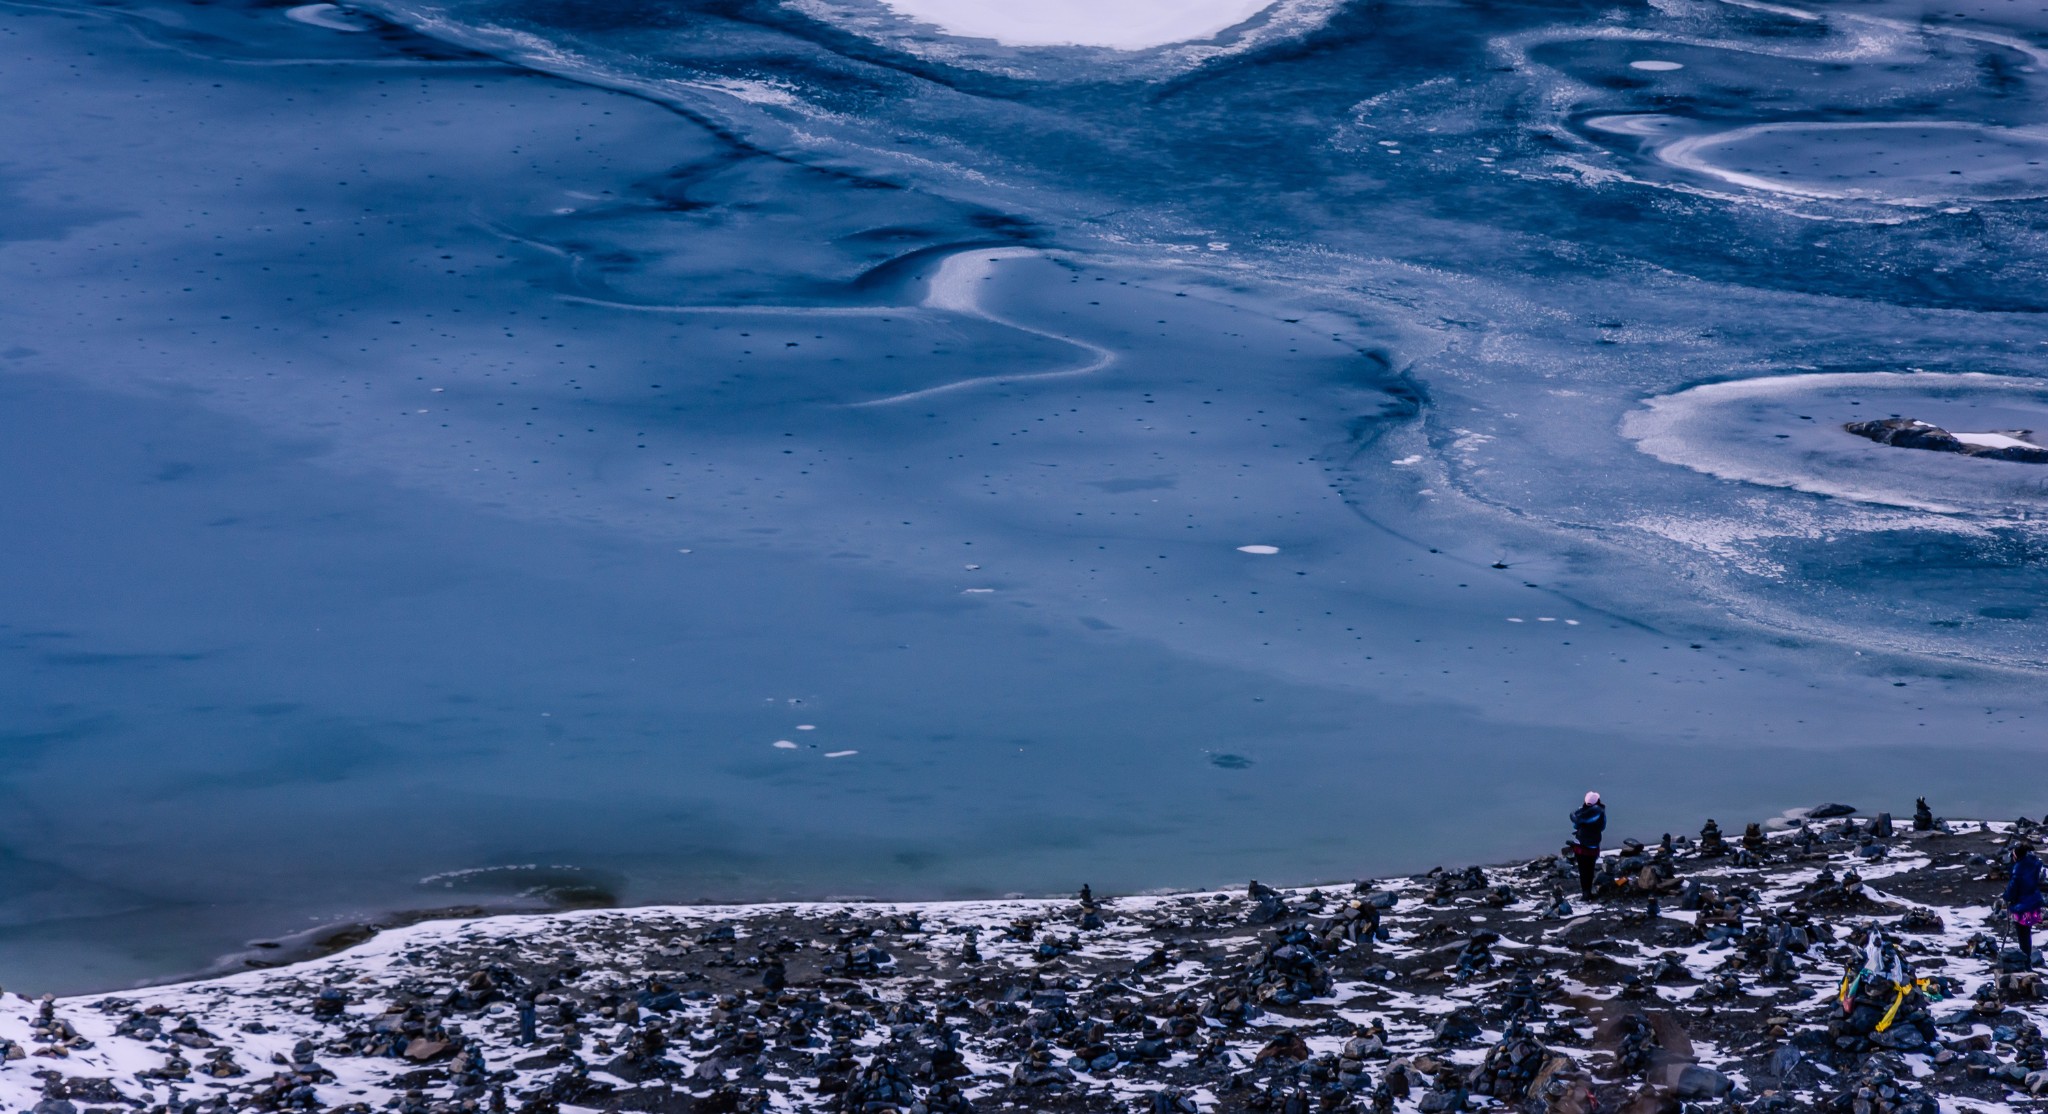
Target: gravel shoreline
[{"x": 1698, "y": 979}]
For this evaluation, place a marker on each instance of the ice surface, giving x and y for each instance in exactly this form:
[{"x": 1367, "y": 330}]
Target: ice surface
[{"x": 474, "y": 441}]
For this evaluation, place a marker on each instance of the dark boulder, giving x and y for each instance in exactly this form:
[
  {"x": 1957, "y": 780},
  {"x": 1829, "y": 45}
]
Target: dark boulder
[{"x": 1696, "y": 1083}]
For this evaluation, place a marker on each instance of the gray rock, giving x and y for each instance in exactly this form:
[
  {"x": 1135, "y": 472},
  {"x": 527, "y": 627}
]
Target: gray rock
[
  {"x": 1461, "y": 1024},
  {"x": 1696, "y": 1082},
  {"x": 1784, "y": 1060}
]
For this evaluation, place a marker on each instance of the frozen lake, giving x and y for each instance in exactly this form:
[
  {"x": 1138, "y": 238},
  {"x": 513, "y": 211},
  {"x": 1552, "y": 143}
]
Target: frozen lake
[{"x": 826, "y": 448}]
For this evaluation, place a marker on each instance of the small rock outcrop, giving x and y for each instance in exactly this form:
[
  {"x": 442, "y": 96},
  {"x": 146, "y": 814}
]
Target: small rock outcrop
[{"x": 1910, "y": 433}]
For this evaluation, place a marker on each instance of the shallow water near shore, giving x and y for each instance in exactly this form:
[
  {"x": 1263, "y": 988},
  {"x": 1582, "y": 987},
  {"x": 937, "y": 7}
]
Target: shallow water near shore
[{"x": 794, "y": 454}]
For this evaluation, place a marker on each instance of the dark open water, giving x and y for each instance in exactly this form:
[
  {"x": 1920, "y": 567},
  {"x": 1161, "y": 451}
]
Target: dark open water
[{"x": 443, "y": 438}]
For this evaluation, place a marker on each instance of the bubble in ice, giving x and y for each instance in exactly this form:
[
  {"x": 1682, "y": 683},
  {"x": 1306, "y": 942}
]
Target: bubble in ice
[
  {"x": 1655, "y": 65},
  {"x": 784, "y": 744},
  {"x": 1260, "y": 550},
  {"x": 841, "y": 753}
]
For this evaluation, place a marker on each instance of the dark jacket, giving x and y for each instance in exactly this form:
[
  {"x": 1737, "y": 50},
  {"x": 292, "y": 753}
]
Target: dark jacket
[
  {"x": 2023, "y": 893},
  {"x": 1590, "y": 822}
]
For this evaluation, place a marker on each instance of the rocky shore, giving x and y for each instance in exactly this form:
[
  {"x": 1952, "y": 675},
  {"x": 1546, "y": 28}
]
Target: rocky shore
[{"x": 1841, "y": 964}]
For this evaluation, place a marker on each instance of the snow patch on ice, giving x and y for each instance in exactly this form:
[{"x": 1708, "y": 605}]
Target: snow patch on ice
[
  {"x": 329, "y": 16},
  {"x": 955, "y": 287},
  {"x": 1842, "y": 160},
  {"x": 1061, "y": 40},
  {"x": 1785, "y": 432},
  {"x": 1123, "y": 25},
  {"x": 1993, "y": 440}
]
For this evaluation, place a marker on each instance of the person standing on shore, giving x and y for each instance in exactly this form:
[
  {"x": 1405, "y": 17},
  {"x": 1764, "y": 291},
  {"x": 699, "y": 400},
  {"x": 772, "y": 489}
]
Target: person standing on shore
[
  {"x": 1589, "y": 823},
  {"x": 2023, "y": 899}
]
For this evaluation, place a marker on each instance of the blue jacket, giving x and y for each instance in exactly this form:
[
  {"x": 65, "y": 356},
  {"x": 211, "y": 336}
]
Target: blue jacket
[
  {"x": 1590, "y": 822},
  {"x": 2023, "y": 893}
]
